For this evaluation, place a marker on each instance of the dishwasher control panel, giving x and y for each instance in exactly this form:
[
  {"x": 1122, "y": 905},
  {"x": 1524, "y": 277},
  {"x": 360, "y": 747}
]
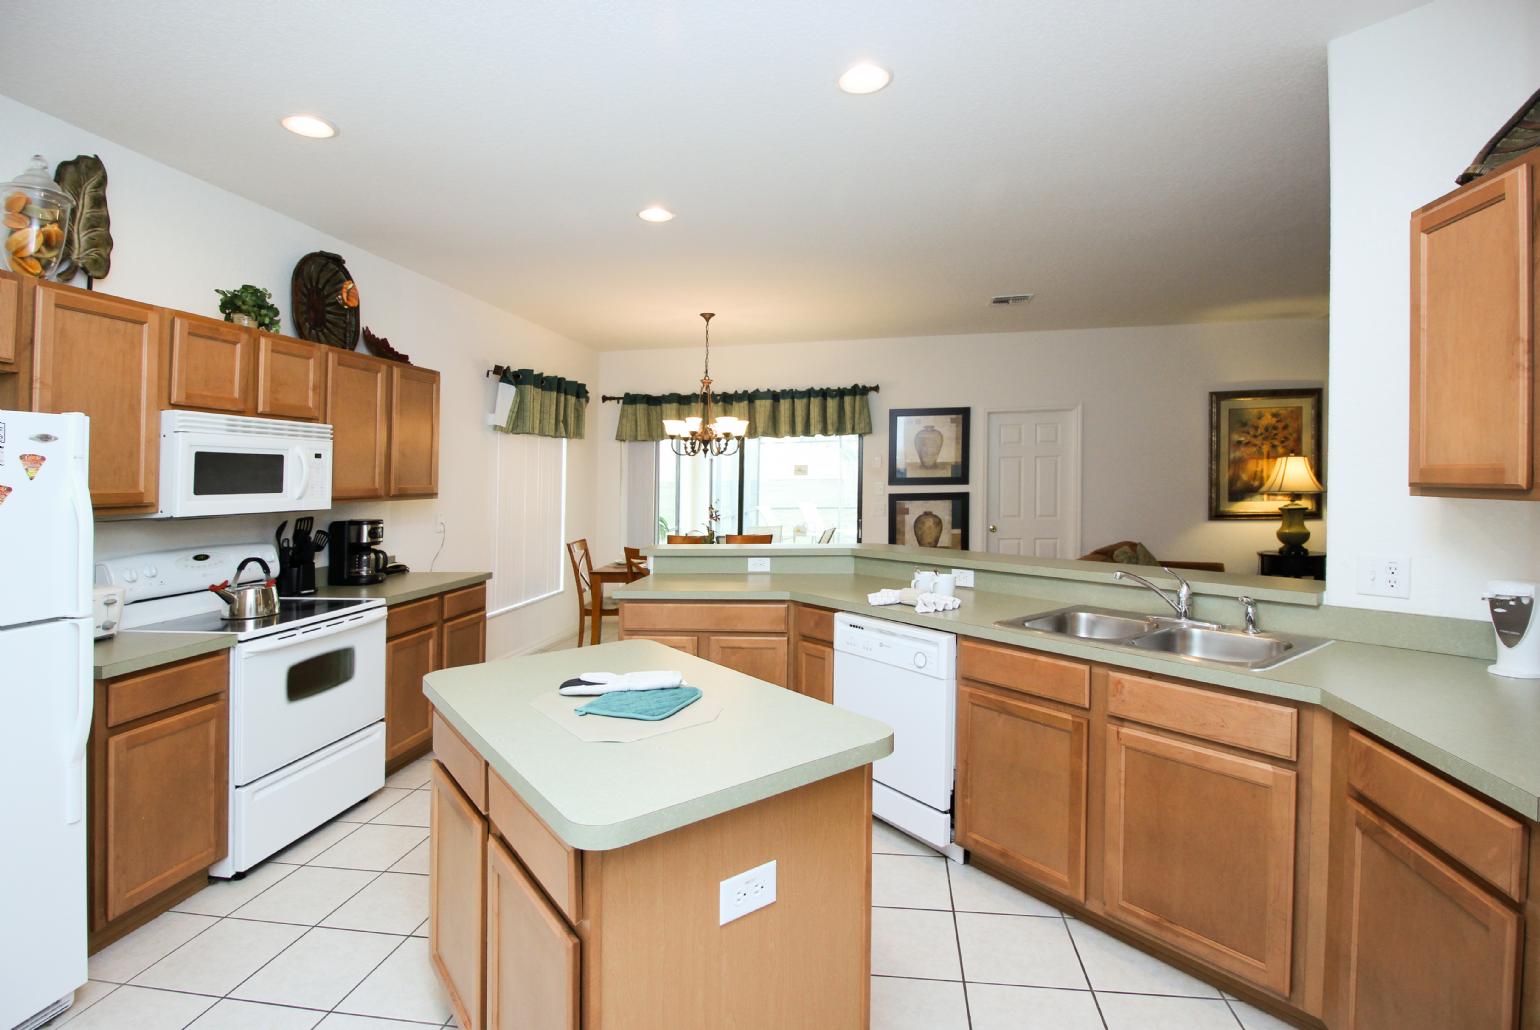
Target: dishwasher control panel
[{"x": 905, "y": 647}]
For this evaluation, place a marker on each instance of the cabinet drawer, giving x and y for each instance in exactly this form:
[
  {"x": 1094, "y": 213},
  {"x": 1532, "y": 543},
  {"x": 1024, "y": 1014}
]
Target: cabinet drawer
[
  {"x": 461, "y": 760},
  {"x": 134, "y": 697},
  {"x": 461, "y": 602},
  {"x": 735, "y": 617},
  {"x": 553, "y": 864},
  {"x": 1223, "y": 718},
  {"x": 1057, "y": 679},
  {"x": 1486, "y": 841},
  {"x": 403, "y": 618},
  {"x": 815, "y": 623}
]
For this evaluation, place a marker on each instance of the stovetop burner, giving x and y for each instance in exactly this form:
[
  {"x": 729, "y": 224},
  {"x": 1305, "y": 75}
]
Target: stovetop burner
[{"x": 290, "y": 610}]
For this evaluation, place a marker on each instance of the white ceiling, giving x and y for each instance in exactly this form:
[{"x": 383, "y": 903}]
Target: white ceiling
[{"x": 1132, "y": 162}]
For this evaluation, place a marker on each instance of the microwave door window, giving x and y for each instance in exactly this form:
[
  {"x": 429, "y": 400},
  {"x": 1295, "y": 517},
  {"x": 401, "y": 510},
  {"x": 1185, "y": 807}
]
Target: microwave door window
[
  {"x": 319, "y": 674},
  {"x": 223, "y": 473}
]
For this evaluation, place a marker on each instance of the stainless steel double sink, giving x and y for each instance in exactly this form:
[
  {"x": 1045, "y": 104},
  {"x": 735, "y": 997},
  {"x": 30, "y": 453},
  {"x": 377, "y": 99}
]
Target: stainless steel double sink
[{"x": 1204, "y": 642}]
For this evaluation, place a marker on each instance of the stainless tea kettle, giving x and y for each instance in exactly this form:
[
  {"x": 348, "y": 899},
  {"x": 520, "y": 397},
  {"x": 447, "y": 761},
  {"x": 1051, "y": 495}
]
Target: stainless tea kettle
[{"x": 255, "y": 600}]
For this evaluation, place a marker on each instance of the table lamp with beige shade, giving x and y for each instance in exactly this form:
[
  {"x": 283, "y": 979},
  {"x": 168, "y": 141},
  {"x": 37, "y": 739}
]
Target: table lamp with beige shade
[{"x": 1292, "y": 475}]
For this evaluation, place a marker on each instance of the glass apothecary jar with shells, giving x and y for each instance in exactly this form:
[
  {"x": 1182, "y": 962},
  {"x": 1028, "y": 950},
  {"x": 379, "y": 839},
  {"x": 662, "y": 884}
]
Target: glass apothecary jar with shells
[{"x": 34, "y": 213}]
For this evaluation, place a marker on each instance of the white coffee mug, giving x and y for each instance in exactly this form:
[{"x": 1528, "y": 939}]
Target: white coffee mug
[
  {"x": 946, "y": 584},
  {"x": 925, "y": 582}
]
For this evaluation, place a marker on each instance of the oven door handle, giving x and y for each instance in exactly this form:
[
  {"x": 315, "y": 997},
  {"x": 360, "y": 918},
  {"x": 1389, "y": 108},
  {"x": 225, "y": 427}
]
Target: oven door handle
[{"x": 310, "y": 633}]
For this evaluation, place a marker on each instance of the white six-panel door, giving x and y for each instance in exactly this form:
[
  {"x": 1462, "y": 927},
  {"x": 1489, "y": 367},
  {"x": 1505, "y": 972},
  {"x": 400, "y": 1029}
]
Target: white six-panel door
[{"x": 1033, "y": 473}]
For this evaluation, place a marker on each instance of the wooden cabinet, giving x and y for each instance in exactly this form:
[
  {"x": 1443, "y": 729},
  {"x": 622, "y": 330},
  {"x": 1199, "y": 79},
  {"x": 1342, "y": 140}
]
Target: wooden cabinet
[
  {"x": 457, "y": 929},
  {"x": 290, "y": 379},
  {"x": 357, "y": 406},
  {"x": 413, "y": 468},
  {"x": 1022, "y": 786},
  {"x": 465, "y": 640},
  {"x": 103, "y": 356},
  {"x": 158, "y": 790},
  {"x": 814, "y": 672},
  {"x": 1200, "y": 851},
  {"x": 408, "y": 658},
  {"x": 211, "y": 365},
  {"x": 10, "y": 319},
  {"x": 763, "y": 657},
  {"x": 533, "y": 957},
  {"x": 1473, "y": 362}
]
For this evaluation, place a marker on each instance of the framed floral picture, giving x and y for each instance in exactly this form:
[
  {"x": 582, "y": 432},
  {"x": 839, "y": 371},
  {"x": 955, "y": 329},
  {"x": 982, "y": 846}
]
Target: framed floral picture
[
  {"x": 929, "y": 520},
  {"x": 1248, "y": 431},
  {"x": 928, "y": 446}
]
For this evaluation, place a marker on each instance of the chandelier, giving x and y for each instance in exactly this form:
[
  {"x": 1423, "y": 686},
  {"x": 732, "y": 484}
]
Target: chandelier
[{"x": 701, "y": 434}]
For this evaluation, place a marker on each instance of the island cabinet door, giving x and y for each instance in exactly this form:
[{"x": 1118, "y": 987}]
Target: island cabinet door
[
  {"x": 1021, "y": 786},
  {"x": 291, "y": 379},
  {"x": 457, "y": 928},
  {"x": 763, "y": 657},
  {"x": 1200, "y": 851},
  {"x": 815, "y": 670},
  {"x": 533, "y": 957},
  {"x": 1426, "y": 948},
  {"x": 408, "y": 716},
  {"x": 357, "y": 391},
  {"x": 211, "y": 365}
]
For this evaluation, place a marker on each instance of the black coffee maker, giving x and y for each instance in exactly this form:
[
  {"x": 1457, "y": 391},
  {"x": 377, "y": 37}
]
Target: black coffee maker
[{"x": 356, "y": 558}]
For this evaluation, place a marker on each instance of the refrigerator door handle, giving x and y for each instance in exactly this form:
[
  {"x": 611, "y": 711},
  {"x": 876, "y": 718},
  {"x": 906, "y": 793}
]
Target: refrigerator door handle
[{"x": 80, "y": 732}]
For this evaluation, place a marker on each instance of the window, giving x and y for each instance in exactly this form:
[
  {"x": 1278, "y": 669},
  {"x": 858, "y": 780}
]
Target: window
[
  {"x": 797, "y": 488},
  {"x": 531, "y": 491}
]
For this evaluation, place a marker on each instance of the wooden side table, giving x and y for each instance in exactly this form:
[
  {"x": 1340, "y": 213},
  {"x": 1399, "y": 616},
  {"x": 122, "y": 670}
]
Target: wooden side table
[{"x": 1306, "y": 566}]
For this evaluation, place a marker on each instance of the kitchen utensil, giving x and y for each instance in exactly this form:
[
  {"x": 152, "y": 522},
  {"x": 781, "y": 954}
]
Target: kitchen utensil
[
  {"x": 1512, "y": 607},
  {"x": 946, "y": 584},
  {"x": 923, "y": 581},
  {"x": 255, "y": 600}
]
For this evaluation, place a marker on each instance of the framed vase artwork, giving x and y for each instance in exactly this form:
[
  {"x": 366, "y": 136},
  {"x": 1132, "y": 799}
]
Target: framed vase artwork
[
  {"x": 1249, "y": 430},
  {"x": 928, "y": 446},
  {"x": 929, "y": 520}
]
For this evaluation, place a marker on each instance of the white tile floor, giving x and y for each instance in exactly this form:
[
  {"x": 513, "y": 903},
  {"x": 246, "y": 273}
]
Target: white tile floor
[{"x": 331, "y": 933}]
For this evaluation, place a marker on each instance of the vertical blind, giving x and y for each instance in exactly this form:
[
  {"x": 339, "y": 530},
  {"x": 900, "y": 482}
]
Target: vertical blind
[{"x": 531, "y": 491}]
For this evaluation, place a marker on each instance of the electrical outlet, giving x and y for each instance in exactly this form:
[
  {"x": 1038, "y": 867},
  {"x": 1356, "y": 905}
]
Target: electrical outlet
[
  {"x": 964, "y": 577},
  {"x": 1384, "y": 576},
  {"x": 746, "y": 892},
  {"x": 759, "y": 564}
]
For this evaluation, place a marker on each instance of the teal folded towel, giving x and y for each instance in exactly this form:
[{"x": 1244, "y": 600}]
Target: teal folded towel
[{"x": 650, "y": 705}]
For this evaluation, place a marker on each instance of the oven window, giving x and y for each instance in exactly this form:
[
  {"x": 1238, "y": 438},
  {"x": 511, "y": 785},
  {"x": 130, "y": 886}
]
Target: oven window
[
  {"x": 315, "y": 675},
  {"x": 217, "y": 473}
]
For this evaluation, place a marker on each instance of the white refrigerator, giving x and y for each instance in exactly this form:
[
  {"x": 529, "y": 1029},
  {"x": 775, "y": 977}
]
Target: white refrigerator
[{"x": 45, "y": 694}]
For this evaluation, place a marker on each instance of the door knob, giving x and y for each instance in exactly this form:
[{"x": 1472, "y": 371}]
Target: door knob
[{"x": 991, "y": 527}]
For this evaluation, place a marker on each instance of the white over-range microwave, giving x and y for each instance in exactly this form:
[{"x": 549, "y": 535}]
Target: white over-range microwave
[{"x": 233, "y": 465}]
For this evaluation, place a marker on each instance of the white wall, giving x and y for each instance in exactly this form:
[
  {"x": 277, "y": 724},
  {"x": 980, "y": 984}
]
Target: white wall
[
  {"x": 1412, "y": 101},
  {"x": 1144, "y": 393},
  {"x": 178, "y": 238}
]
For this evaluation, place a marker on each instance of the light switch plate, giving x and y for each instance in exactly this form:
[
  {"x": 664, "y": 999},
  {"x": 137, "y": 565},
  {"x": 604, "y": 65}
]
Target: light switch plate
[
  {"x": 759, "y": 564},
  {"x": 964, "y": 577},
  {"x": 747, "y": 892}
]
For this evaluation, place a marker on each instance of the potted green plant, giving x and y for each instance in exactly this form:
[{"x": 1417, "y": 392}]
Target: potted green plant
[{"x": 250, "y": 306}]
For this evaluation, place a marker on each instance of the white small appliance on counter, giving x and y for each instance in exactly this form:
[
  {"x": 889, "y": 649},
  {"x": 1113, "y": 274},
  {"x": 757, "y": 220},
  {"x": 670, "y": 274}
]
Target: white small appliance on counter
[
  {"x": 1512, "y": 607},
  {"x": 906, "y": 677},
  {"x": 106, "y": 611},
  {"x": 234, "y": 465}
]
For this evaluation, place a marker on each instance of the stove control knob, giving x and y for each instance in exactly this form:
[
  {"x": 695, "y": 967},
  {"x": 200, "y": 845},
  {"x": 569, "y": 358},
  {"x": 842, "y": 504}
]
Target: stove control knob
[
  {"x": 149, "y": 570},
  {"x": 919, "y": 659},
  {"x": 130, "y": 576}
]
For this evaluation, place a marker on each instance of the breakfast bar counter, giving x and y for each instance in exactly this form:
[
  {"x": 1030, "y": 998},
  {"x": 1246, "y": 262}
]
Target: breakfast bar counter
[{"x": 559, "y": 864}]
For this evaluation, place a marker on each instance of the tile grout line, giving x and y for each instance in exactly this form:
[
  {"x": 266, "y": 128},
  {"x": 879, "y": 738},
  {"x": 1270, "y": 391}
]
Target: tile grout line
[
  {"x": 957, "y": 939},
  {"x": 1083, "y": 971},
  {"x": 1236, "y": 1015}
]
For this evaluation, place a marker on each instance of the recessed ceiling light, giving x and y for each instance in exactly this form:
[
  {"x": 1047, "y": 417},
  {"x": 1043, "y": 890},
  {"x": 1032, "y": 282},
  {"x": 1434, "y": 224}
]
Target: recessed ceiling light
[
  {"x": 865, "y": 77},
  {"x": 309, "y": 126},
  {"x": 655, "y": 214}
]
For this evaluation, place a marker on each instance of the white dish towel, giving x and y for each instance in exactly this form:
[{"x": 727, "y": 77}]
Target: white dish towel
[
  {"x": 923, "y": 603},
  {"x": 592, "y": 684}
]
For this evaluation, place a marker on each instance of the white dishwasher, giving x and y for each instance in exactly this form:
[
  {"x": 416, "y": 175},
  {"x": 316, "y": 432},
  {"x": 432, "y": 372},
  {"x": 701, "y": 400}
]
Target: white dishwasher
[{"x": 906, "y": 677}]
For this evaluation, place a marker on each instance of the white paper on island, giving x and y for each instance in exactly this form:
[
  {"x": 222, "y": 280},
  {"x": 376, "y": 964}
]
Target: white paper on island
[{"x": 562, "y": 710}]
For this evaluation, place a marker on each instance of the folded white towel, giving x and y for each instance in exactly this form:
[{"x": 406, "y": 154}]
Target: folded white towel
[
  {"x": 884, "y": 597},
  {"x": 927, "y": 603},
  {"x": 591, "y": 684}
]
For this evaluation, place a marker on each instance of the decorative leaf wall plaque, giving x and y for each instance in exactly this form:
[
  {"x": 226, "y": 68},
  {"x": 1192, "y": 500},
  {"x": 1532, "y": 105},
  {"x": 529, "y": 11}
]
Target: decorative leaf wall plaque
[
  {"x": 88, "y": 240},
  {"x": 325, "y": 301}
]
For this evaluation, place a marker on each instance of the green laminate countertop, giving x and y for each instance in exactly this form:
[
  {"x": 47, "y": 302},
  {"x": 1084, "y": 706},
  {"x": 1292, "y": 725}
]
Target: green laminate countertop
[
  {"x": 1446, "y": 710},
  {"x": 131, "y": 651},
  {"x": 601, "y": 796},
  {"x": 407, "y": 586}
]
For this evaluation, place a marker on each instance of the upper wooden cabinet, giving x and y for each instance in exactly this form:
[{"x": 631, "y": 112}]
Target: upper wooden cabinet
[
  {"x": 357, "y": 406},
  {"x": 290, "y": 379},
  {"x": 103, "y": 356},
  {"x": 413, "y": 432},
  {"x": 210, "y": 364},
  {"x": 1473, "y": 368},
  {"x": 10, "y": 318}
]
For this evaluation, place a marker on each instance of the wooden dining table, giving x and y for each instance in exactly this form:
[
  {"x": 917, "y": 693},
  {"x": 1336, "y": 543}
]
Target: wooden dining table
[{"x": 614, "y": 572}]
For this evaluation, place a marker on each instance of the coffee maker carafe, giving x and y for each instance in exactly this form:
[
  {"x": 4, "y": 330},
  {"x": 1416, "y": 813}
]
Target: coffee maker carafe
[{"x": 356, "y": 558}]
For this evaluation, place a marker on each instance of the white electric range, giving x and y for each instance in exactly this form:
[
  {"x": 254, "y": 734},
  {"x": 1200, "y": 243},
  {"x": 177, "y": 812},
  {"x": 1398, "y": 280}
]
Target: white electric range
[{"x": 307, "y": 691}]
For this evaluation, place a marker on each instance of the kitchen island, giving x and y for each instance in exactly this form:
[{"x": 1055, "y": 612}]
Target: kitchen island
[{"x": 580, "y": 883}]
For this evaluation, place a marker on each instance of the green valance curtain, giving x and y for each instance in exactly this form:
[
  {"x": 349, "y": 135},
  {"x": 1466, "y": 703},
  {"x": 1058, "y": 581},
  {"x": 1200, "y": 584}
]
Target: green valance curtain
[
  {"x": 541, "y": 405},
  {"x": 821, "y": 411}
]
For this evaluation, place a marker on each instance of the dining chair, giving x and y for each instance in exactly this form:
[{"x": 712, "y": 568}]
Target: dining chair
[
  {"x": 750, "y": 538},
  {"x": 828, "y": 535},
  {"x": 678, "y": 538},
  {"x": 583, "y": 576},
  {"x": 636, "y": 565}
]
